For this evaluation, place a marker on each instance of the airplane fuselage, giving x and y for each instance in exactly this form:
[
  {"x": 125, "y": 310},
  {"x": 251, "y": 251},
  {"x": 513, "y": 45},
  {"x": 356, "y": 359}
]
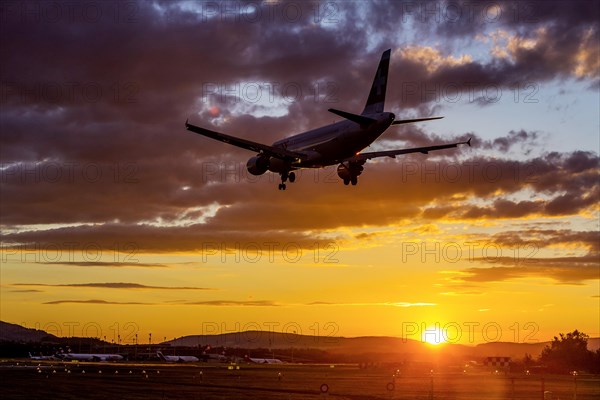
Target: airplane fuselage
[
  {"x": 330, "y": 144},
  {"x": 179, "y": 359},
  {"x": 91, "y": 357}
]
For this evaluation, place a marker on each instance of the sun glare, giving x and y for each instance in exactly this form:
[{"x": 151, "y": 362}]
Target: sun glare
[{"x": 433, "y": 336}]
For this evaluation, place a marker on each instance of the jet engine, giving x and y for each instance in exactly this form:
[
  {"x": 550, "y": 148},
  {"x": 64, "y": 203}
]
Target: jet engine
[
  {"x": 258, "y": 165},
  {"x": 278, "y": 165},
  {"x": 349, "y": 172}
]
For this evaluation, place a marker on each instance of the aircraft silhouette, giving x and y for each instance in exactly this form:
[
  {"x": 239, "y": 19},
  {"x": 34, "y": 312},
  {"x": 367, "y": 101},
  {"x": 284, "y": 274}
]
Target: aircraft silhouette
[{"x": 337, "y": 143}]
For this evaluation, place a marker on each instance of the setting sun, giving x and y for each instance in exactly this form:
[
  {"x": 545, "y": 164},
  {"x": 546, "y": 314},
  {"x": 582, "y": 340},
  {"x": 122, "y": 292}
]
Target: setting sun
[{"x": 434, "y": 336}]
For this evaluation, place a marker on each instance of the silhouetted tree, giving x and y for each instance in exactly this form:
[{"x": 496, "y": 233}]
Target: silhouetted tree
[
  {"x": 595, "y": 363},
  {"x": 567, "y": 353},
  {"x": 528, "y": 360}
]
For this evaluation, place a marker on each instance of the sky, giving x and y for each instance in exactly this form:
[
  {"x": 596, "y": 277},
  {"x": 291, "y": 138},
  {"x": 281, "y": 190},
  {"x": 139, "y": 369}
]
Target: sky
[{"x": 117, "y": 222}]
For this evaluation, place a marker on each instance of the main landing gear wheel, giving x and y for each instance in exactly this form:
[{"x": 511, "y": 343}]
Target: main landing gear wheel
[
  {"x": 346, "y": 182},
  {"x": 354, "y": 180},
  {"x": 284, "y": 177}
]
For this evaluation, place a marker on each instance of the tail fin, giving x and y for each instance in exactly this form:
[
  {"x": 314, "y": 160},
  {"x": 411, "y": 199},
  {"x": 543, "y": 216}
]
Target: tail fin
[
  {"x": 160, "y": 355},
  {"x": 376, "y": 98}
]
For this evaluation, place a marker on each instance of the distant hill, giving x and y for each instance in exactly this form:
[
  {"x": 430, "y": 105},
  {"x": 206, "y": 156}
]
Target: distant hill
[
  {"x": 363, "y": 345},
  {"x": 17, "y": 333},
  {"x": 594, "y": 344},
  {"x": 357, "y": 346},
  {"x": 277, "y": 340},
  {"x": 518, "y": 350}
]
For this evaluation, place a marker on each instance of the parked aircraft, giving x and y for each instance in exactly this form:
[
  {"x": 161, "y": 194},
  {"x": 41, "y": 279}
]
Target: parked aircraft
[
  {"x": 41, "y": 357},
  {"x": 264, "y": 360},
  {"x": 338, "y": 143},
  {"x": 180, "y": 359},
  {"x": 89, "y": 357}
]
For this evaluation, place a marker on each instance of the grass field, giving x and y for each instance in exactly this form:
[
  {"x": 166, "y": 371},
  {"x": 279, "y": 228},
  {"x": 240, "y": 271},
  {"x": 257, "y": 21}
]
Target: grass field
[{"x": 217, "y": 381}]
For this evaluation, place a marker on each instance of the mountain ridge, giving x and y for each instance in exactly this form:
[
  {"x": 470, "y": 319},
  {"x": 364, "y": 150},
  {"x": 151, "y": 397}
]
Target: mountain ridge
[{"x": 359, "y": 345}]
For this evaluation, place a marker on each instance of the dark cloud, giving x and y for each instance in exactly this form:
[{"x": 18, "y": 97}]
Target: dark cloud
[
  {"x": 546, "y": 40},
  {"x": 560, "y": 184},
  {"x": 204, "y": 239},
  {"x": 96, "y": 301},
  {"x": 564, "y": 270},
  {"x": 216, "y": 303},
  {"x": 114, "y": 285},
  {"x": 527, "y": 247},
  {"x": 542, "y": 238},
  {"x": 106, "y": 264},
  {"x": 320, "y": 303},
  {"x": 391, "y": 304},
  {"x": 93, "y": 138},
  {"x": 233, "y": 303}
]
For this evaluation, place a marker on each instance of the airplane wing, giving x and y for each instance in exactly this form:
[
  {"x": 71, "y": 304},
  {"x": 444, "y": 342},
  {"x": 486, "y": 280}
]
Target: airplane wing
[
  {"x": 277, "y": 152},
  {"x": 363, "y": 157}
]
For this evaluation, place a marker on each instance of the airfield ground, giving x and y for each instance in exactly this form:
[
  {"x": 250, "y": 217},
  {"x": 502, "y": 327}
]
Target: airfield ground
[{"x": 123, "y": 381}]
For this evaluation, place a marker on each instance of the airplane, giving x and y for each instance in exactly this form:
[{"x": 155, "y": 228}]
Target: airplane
[
  {"x": 89, "y": 357},
  {"x": 263, "y": 360},
  {"x": 180, "y": 359},
  {"x": 338, "y": 143},
  {"x": 41, "y": 357}
]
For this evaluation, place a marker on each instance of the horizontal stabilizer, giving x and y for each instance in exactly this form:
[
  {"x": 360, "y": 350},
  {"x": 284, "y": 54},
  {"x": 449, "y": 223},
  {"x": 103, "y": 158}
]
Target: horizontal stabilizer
[
  {"x": 359, "y": 119},
  {"x": 410, "y": 121}
]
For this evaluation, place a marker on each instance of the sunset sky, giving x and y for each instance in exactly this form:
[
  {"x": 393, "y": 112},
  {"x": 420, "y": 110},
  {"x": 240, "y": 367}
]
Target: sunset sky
[{"x": 117, "y": 221}]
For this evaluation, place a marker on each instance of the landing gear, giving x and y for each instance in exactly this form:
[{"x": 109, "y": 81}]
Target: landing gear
[
  {"x": 284, "y": 177},
  {"x": 349, "y": 172},
  {"x": 353, "y": 180}
]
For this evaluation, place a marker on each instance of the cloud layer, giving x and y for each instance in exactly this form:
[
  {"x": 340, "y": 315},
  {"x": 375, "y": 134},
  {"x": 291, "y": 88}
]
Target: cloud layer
[{"x": 94, "y": 155}]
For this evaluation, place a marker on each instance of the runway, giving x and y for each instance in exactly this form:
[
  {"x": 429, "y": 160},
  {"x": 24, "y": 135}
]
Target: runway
[{"x": 205, "y": 381}]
